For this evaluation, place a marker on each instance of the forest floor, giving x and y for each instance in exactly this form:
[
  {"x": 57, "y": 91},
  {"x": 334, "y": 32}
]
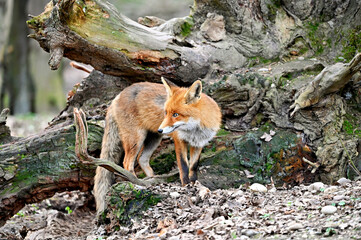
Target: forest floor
[{"x": 316, "y": 211}]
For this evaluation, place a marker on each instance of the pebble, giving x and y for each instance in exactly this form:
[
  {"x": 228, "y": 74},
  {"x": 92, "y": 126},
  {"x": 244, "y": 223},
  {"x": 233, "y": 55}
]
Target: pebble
[
  {"x": 295, "y": 226},
  {"x": 203, "y": 192},
  {"x": 316, "y": 186},
  {"x": 263, "y": 70},
  {"x": 331, "y": 189},
  {"x": 328, "y": 209},
  {"x": 256, "y": 187},
  {"x": 343, "y": 181},
  {"x": 174, "y": 194},
  {"x": 338, "y": 197},
  {"x": 249, "y": 232}
]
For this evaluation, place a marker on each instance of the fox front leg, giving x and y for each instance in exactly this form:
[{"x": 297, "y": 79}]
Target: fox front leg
[
  {"x": 195, "y": 153},
  {"x": 181, "y": 151}
]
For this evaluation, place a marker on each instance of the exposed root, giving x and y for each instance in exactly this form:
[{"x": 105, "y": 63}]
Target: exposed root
[
  {"x": 330, "y": 80},
  {"x": 82, "y": 153}
]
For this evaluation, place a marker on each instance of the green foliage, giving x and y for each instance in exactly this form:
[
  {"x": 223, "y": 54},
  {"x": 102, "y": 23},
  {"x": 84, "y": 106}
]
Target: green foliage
[
  {"x": 351, "y": 43},
  {"x": 222, "y": 132},
  {"x": 313, "y": 36},
  {"x": 186, "y": 27},
  {"x": 330, "y": 231},
  {"x": 68, "y": 210},
  {"x": 20, "y": 214},
  {"x": 233, "y": 235},
  {"x": 350, "y": 128}
]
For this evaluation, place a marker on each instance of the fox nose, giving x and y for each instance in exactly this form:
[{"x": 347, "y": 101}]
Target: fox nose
[{"x": 160, "y": 130}]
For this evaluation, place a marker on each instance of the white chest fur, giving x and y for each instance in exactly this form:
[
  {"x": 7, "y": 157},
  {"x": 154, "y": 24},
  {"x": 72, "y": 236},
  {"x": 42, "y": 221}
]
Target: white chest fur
[{"x": 194, "y": 134}]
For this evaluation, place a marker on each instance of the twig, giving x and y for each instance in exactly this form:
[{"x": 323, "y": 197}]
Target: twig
[{"x": 315, "y": 165}]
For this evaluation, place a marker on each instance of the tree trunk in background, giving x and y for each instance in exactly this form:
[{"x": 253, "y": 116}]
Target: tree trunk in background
[{"x": 18, "y": 85}]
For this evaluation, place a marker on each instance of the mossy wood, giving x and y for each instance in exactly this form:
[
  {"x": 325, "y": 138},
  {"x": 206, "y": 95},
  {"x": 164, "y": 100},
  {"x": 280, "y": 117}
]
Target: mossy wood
[
  {"x": 35, "y": 168},
  {"x": 93, "y": 32}
]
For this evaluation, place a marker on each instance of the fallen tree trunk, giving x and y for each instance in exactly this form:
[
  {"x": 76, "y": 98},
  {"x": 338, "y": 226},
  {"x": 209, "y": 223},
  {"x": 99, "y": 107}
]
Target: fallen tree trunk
[
  {"x": 93, "y": 32},
  {"x": 35, "y": 168}
]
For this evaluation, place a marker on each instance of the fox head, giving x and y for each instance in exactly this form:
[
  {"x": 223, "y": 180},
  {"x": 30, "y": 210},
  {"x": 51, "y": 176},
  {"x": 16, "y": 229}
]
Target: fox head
[{"x": 181, "y": 110}]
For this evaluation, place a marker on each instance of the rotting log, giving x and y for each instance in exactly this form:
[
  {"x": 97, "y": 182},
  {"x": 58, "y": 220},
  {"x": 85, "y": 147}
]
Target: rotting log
[
  {"x": 35, "y": 168},
  {"x": 93, "y": 32}
]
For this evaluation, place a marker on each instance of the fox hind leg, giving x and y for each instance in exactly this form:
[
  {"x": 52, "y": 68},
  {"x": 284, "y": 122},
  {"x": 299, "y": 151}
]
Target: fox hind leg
[
  {"x": 132, "y": 147},
  {"x": 151, "y": 142}
]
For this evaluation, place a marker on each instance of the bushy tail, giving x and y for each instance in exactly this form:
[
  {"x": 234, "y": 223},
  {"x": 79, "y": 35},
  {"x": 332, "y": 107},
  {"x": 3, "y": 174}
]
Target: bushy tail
[{"x": 111, "y": 151}]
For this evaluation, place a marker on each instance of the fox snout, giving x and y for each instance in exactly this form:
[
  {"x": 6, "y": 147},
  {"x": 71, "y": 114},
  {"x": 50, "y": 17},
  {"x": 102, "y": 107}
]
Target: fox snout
[{"x": 169, "y": 129}]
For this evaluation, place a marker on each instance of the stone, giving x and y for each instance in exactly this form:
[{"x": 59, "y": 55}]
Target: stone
[
  {"x": 343, "y": 181},
  {"x": 331, "y": 189},
  {"x": 174, "y": 194},
  {"x": 249, "y": 232},
  {"x": 256, "y": 187},
  {"x": 316, "y": 186},
  {"x": 295, "y": 226},
  {"x": 338, "y": 197},
  {"x": 328, "y": 209}
]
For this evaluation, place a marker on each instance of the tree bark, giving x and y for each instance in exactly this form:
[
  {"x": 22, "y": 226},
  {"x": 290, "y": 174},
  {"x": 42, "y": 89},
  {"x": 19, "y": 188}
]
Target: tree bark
[{"x": 35, "y": 168}]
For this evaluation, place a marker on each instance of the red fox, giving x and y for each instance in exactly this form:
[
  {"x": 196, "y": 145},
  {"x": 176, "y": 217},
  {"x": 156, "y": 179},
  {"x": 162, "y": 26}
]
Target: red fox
[{"x": 136, "y": 120}]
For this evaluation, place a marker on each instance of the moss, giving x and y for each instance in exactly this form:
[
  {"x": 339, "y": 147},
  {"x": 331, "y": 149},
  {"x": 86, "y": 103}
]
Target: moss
[
  {"x": 351, "y": 126},
  {"x": 253, "y": 61},
  {"x": 280, "y": 158},
  {"x": 222, "y": 132},
  {"x": 313, "y": 34},
  {"x": 253, "y": 79},
  {"x": 273, "y": 7},
  {"x": 126, "y": 202},
  {"x": 352, "y": 43},
  {"x": 164, "y": 163},
  {"x": 186, "y": 27}
]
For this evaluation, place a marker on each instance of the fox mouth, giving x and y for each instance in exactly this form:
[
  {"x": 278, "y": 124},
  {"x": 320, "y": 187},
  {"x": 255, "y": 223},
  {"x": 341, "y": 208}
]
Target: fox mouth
[
  {"x": 171, "y": 129},
  {"x": 167, "y": 130}
]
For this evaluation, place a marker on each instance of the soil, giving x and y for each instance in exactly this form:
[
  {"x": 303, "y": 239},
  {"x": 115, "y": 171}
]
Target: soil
[{"x": 195, "y": 212}]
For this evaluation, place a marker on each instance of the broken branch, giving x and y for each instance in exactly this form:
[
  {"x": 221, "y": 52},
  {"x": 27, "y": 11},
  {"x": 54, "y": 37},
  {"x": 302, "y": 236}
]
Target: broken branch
[{"x": 82, "y": 153}]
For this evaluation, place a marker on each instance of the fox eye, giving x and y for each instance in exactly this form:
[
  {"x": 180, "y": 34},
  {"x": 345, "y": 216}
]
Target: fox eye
[
  {"x": 175, "y": 114},
  {"x": 165, "y": 112}
]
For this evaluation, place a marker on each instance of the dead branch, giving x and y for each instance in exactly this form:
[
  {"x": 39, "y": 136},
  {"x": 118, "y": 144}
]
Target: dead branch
[
  {"x": 82, "y": 153},
  {"x": 330, "y": 80}
]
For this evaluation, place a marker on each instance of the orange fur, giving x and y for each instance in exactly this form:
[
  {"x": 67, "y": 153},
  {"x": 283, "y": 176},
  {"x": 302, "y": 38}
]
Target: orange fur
[{"x": 137, "y": 116}]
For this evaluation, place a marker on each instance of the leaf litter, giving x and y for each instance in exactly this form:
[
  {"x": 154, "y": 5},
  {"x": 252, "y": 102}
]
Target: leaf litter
[{"x": 195, "y": 212}]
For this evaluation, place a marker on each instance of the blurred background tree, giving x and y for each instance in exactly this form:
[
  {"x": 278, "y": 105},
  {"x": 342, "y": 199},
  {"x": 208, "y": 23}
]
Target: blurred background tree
[
  {"x": 27, "y": 85},
  {"x": 17, "y": 87}
]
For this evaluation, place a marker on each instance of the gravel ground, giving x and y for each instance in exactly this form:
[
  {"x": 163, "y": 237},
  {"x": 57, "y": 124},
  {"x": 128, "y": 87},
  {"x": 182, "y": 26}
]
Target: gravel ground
[{"x": 316, "y": 211}]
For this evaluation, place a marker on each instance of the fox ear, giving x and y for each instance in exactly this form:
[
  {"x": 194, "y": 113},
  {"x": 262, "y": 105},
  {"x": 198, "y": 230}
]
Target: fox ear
[
  {"x": 193, "y": 95},
  {"x": 168, "y": 86}
]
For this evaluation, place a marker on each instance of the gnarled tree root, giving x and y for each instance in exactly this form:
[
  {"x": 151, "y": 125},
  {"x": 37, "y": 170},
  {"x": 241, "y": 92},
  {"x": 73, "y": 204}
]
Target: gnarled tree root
[{"x": 84, "y": 157}]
